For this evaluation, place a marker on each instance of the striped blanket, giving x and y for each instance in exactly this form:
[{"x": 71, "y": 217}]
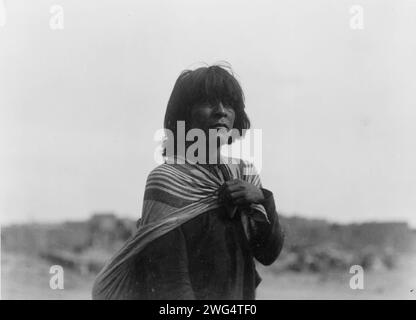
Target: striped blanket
[{"x": 174, "y": 194}]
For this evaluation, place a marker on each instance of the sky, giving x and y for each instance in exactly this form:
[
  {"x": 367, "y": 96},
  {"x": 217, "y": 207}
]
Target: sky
[{"x": 79, "y": 106}]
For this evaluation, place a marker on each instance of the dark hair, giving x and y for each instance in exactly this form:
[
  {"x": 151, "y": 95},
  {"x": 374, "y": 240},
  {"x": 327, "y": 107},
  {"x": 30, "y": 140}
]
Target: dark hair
[{"x": 213, "y": 84}]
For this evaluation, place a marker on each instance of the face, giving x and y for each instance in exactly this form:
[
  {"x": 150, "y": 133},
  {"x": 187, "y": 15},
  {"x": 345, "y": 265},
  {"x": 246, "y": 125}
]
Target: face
[{"x": 206, "y": 116}]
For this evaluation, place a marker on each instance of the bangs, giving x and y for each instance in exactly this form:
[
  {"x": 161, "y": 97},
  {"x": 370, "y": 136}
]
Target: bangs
[{"x": 212, "y": 85}]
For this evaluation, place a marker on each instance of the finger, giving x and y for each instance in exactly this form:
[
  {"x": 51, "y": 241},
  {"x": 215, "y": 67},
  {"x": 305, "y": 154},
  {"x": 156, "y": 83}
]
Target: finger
[
  {"x": 237, "y": 194},
  {"x": 232, "y": 182},
  {"x": 234, "y": 187},
  {"x": 240, "y": 201}
]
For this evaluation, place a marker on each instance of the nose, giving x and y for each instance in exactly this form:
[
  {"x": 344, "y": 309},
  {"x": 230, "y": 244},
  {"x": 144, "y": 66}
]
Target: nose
[{"x": 220, "y": 110}]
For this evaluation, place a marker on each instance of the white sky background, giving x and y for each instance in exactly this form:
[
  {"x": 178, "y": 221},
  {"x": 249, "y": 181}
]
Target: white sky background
[{"x": 79, "y": 106}]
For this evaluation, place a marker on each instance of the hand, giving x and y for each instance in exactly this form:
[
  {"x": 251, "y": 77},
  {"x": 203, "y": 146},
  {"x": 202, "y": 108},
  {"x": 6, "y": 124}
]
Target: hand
[{"x": 240, "y": 192}]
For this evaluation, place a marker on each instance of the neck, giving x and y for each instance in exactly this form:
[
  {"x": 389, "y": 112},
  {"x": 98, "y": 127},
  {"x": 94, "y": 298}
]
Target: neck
[{"x": 214, "y": 157}]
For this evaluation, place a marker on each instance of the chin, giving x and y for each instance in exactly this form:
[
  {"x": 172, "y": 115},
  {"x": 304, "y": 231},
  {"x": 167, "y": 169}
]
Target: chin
[{"x": 223, "y": 140}]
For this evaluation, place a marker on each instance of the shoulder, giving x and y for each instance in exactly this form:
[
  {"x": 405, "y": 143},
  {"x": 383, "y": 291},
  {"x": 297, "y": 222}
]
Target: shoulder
[
  {"x": 249, "y": 172},
  {"x": 247, "y": 168},
  {"x": 166, "y": 169},
  {"x": 168, "y": 172},
  {"x": 243, "y": 169},
  {"x": 162, "y": 171}
]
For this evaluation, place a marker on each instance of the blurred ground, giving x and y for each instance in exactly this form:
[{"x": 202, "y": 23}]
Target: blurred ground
[
  {"x": 314, "y": 263},
  {"x": 27, "y": 277},
  {"x": 398, "y": 283}
]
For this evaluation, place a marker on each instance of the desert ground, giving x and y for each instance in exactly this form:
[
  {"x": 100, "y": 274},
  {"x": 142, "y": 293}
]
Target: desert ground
[{"x": 27, "y": 277}]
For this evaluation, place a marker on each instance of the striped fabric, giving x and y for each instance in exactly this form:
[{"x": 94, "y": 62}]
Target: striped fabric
[{"x": 174, "y": 194}]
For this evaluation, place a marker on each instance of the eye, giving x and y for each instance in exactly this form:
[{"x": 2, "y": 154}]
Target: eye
[{"x": 227, "y": 106}]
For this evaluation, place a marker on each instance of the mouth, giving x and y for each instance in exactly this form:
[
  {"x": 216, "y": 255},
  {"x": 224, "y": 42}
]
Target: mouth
[{"x": 219, "y": 126}]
